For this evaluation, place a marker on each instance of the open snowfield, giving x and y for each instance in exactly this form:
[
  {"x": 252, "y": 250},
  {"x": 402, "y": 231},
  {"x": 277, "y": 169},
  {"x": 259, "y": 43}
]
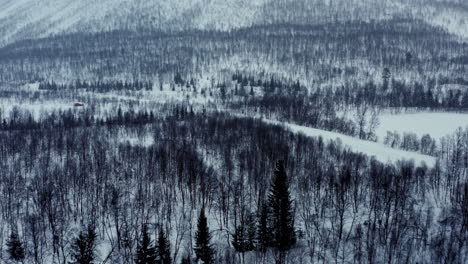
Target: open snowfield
[
  {"x": 34, "y": 102},
  {"x": 37, "y": 109},
  {"x": 377, "y": 150},
  {"x": 454, "y": 21},
  {"x": 437, "y": 125}
]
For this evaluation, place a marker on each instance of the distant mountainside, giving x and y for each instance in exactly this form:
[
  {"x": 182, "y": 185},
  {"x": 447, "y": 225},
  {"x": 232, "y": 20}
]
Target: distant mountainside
[{"x": 20, "y": 19}]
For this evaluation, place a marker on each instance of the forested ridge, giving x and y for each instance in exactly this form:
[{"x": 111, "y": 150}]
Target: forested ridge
[{"x": 314, "y": 53}]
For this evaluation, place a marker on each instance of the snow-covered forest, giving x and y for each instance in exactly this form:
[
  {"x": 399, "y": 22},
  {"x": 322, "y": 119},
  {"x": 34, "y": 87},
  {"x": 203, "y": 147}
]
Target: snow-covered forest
[{"x": 237, "y": 132}]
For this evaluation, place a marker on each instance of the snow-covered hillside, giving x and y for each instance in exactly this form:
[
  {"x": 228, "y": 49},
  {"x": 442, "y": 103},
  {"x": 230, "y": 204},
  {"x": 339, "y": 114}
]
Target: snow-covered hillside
[
  {"x": 455, "y": 21},
  {"x": 32, "y": 18},
  {"x": 20, "y": 19}
]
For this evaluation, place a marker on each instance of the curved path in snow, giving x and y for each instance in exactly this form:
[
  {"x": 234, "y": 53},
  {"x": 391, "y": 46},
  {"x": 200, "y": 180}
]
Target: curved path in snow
[{"x": 379, "y": 151}]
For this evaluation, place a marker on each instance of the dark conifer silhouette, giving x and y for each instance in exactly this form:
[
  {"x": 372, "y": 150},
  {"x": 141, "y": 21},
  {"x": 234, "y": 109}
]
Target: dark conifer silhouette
[
  {"x": 163, "y": 248},
  {"x": 203, "y": 247},
  {"x": 84, "y": 246},
  {"x": 263, "y": 232},
  {"x": 281, "y": 213},
  {"x": 385, "y": 78},
  {"x": 239, "y": 240},
  {"x": 146, "y": 252},
  {"x": 15, "y": 247},
  {"x": 186, "y": 260}
]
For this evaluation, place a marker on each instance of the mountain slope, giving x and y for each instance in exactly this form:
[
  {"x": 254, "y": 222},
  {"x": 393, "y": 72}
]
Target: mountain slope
[{"x": 20, "y": 19}]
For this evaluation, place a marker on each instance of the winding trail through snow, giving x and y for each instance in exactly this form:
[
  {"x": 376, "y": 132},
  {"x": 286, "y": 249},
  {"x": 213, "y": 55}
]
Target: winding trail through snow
[{"x": 379, "y": 151}]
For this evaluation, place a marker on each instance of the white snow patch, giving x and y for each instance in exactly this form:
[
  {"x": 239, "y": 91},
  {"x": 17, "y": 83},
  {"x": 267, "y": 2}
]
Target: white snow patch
[
  {"x": 373, "y": 149},
  {"x": 145, "y": 141},
  {"x": 437, "y": 125},
  {"x": 37, "y": 109},
  {"x": 454, "y": 21}
]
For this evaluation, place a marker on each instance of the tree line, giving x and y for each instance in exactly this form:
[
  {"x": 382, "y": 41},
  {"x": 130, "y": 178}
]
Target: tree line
[{"x": 98, "y": 86}]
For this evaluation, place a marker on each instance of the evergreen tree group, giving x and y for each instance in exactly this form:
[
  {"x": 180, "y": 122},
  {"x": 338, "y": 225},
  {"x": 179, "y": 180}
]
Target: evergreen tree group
[
  {"x": 147, "y": 253},
  {"x": 275, "y": 225},
  {"x": 163, "y": 248},
  {"x": 84, "y": 246},
  {"x": 15, "y": 247}
]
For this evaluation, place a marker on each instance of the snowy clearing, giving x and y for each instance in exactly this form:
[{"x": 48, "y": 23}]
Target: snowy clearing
[
  {"x": 437, "y": 125},
  {"x": 377, "y": 150}
]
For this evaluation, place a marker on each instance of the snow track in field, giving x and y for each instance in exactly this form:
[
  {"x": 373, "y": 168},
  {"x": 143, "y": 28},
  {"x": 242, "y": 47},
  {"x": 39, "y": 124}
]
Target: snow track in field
[
  {"x": 377, "y": 150},
  {"x": 436, "y": 124}
]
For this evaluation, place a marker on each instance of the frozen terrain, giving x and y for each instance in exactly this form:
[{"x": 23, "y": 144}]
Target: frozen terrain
[
  {"x": 373, "y": 149},
  {"x": 33, "y": 18},
  {"x": 453, "y": 20},
  {"x": 437, "y": 125}
]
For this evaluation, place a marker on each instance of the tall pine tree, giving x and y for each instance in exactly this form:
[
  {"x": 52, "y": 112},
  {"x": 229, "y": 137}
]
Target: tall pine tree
[
  {"x": 186, "y": 260},
  {"x": 386, "y": 74},
  {"x": 15, "y": 247},
  {"x": 281, "y": 213},
  {"x": 263, "y": 232},
  {"x": 240, "y": 240},
  {"x": 243, "y": 238},
  {"x": 163, "y": 248},
  {"x": 203, "y": 248},
  {"x": 146, "y": 252},
  {"x": 84, "y": 246}
]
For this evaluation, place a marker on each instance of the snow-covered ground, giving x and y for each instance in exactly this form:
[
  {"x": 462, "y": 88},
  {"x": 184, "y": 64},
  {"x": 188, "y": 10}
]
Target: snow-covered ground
[
  {"x": 37, "y": 109},
  {"x": 437, "y": 125},
  {"x": 453, "y": 20},
  {"x": 377, "y": 150},
  {"x": 103, "y": 104},
  {"x": 143, "y": 140}
]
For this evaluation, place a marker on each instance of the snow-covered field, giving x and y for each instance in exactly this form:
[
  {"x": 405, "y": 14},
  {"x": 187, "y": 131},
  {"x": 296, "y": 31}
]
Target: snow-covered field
[
  {"x": 37, "y": 109},
  {"x": 144, "y": 139},
  {"x": 454, "y": 21},
  {"x": 437, "y": 125},
  {"x": 377, "y": 150},
  {"x": 103, "y": 104}
]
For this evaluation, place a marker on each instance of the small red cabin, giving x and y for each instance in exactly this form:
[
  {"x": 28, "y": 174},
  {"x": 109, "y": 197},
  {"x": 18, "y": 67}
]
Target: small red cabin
[{"x": 78, "y": 105}]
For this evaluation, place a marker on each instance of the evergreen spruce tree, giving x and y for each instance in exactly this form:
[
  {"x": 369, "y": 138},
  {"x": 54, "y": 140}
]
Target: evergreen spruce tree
[
  {"x": 203, "y": 248},
  {"x": 243, "y": 238},
  {"x": 163, "y": 248},
  {"x": 186, "y": 260},
  {"x": 15, "y": 247},
  {"x": 386, "y": 74},
  {"x": 281, "y": 213},
  {"x": 263, "y": 232},
  {"x": 239, "y": 239},
  {"x": 146, "y": 252},
  {"x": 251, "y": 231},
  {"x": 84, "y": 246}
]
